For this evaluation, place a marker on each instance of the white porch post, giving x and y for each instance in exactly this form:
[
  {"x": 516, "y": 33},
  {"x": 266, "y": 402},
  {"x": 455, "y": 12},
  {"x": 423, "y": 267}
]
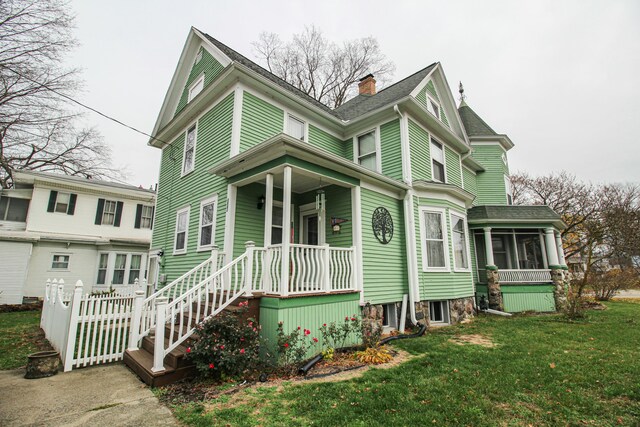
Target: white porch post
[
  {"x": 561, "y": 259},
  {"x": 134, "y": 333},
  {"x": 488, "y": 246},
  {"x": 286, "y": 231},
  {"x": 158, "y": 347},
  {"x": 326, "y": 268},
  {"x": 268, "y": 209},
  {"x": 248, "y": 275},
  {"x": 230, "y": 222},
  {"x": 356, "y": 215},
  {"x": 552, "y": 250}
]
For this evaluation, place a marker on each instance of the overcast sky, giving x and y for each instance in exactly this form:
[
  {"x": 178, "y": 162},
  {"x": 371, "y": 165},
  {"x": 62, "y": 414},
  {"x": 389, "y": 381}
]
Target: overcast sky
[{"x": 559, "y": 77}]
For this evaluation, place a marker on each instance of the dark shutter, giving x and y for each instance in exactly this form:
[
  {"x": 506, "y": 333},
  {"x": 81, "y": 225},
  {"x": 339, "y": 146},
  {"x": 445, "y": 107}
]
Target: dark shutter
[
  {"x": 116, "y": 221},
  {"x": 72, "y": 204},
  {"x": 52, "y": 201},
  {"x": 99, "y": 211},
  {"x": 153, "y": 215},
  {"x": 138, "y": 216}
]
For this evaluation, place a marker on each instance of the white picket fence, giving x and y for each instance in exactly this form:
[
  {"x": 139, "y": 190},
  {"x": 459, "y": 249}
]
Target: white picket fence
[{"x": 88, "y": 329}]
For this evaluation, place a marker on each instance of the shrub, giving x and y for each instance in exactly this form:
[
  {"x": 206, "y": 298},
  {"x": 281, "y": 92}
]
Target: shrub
[
  {"x": 228, "y": 345},
  {"x": 574, "y": 309},
  {"x": 371, "y": 334},
  {"x": 607, "y": 284},
  {"x": 293, "y": 347},
  {"x": 335, "y": 336}
]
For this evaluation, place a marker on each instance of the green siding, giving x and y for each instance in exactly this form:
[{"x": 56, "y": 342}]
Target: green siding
[
  {"x": 308, "y": 313},
  {"x": 339, "y": 206},
  {"x": 249, "y": 220},
  {"x": 491, "y": 189},
  {"x": 440, "y": 285},
  {"x": 454, "y": 174},
  {"x": 421, "y": 97},
  {"x": 207, "y": 65},
  {"x": 175, "y": 192},
  {"x": 431, "y": 88},
  {"x": 470, "y": 182},
  {"x": 444, "y": 118},
  {"x": 420, "y": 157},
  {"x": 260, "y": 121},
  {"x": 390, "y": 146},
  {"x": 322, "y": 139},
  {"x": 523, "y": 299},
  {"x": 385, "y": 266},
  {"x": 348, "y": 149}
]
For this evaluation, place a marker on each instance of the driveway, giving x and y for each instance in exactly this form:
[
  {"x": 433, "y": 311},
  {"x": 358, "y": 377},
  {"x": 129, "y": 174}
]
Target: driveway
[
  {"x": 631, "y": 293},
  {"x": 108, "y": 395}
]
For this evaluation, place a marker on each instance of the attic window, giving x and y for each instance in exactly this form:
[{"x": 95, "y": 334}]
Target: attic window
[
  {"x": 433, "y": 107},
  {"x": 198, "y": 57},
  {"x": 196, "y": 88}
]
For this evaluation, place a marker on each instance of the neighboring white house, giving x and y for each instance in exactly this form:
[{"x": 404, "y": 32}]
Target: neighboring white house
[{"x": 64, "y": 227}]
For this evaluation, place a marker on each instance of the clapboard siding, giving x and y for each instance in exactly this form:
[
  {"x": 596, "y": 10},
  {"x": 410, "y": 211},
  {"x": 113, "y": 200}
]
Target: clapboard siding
[
  {"x": 260, "y": 121},
  {"x": 321, "y": 139},
  {"x": 470, "y": 182},
  {"x": 454, "y": 174},
  {"x": 391, "y": 149},
  {"x": 207, "y": 65},
  {"x": 420, "y": 157},
  {"x": 491, "y": 187}
]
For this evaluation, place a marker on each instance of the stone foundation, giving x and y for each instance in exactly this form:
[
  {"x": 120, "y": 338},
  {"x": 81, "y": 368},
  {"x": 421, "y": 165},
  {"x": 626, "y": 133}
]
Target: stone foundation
[
  {"x": 493, "y": 289},
  {"x": 461, "y": 309},
  {"x": 560, "y": 280},
  {"x": 374, "y": 315}
]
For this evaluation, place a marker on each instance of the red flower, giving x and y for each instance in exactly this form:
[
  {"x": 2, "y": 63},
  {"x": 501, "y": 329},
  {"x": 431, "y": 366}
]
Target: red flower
[
  {"x": 250, "y": 324},
  {"x": 307, "y": 332},
  {"x": 324, "y": 324},
  {"x": 241, "y": 339},
  {"x": 210, "y": 365},
  {"x": 298, "y": 327},
  {"x": 286, "y": 345},
  {"x": 188, "y": 349},
  {"x": 221, "y": 347},
  {"x": 353, "y": 319},
  {"x": 315, "y": 339},
  {"x": 242, "y": 351}
]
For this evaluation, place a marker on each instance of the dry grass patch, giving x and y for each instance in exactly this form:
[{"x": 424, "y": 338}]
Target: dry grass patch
[{"x": 475, "y": 339}]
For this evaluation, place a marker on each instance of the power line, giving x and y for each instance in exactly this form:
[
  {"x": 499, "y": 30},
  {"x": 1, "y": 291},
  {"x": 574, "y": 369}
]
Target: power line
[{"x": 106, "y": 116}]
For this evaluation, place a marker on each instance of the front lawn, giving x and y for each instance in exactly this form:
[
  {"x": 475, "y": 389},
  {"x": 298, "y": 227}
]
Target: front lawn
[
  {"x": 20, "y": 335},
  {"x": 542, "y": 371}
]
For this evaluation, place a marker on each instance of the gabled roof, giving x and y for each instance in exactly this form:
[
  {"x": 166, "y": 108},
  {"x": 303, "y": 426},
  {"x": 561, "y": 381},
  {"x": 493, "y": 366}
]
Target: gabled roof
[
  {"x": 362, "y": 104},
  {"x": 473, "y": 124}
]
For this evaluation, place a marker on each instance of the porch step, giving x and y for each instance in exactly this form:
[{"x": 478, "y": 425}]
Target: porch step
[
  {"x": 141, "y": 361},
  {"x": 175, "y": 359}
]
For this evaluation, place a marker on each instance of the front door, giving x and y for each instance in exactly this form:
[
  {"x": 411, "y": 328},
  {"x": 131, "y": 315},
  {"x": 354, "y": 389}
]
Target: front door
[{"x": 310, "y": 229}]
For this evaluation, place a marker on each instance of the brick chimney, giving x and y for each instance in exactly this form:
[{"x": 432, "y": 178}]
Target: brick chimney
[{"x": 367, "y": 85}]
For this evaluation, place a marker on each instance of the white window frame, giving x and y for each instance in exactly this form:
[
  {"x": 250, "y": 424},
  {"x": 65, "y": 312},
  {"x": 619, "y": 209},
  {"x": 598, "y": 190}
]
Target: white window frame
[
  {"x": 423, "y": 238},
  {"x": 445, "y": 312},
  {"x": 213, "y": 199},
  {"x": 305, "y": 126},
  {"x": 140, "y": 269},
  {"x": 306, "y": 210},
  {"x": 106, "y": 269},
  {"x": 177, "y": 251},
  {"x": 463, "y": 217},
  {"x": 104, "y": 212},
  {"x": 430, "y": 100},
  {"x": 198, "y": 56},
  {"x": 53, "y": 257},
  {"x": 444, "y": 159},
  {"x": 508, "y": 189},
  {"x": 191, "y": 93},
  {"x": 185, "y": 172},
  {"x": 142, "y": 217},
  {"x": 66, "y": 209},
  {"x": 356, "y": 148}
]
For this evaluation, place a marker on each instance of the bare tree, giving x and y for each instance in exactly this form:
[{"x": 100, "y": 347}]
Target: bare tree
[
  {"x": 322, "y": 69},
  {"x": 37, "y": 125}
]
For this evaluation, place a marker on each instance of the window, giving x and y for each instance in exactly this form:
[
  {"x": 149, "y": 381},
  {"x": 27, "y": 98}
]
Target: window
[
  {"x": 433, "y": 107},
  {"x": 367, "y": 153},
  {"x": 195, "y": 88},
  {"x": 189, "y": 150},
  {"x": 276, "y": 225},
  {"x": 62, "y": 203},
  {"x": 102, "y": 269},
  {"x": 504, "y": 158},
  {"x": 459, "y": 238},
  {"x": 438, "y": 312},
  {"x": 182, "y": 227},
  {"x": 437, "y": 161},
  {"x": 295, "y": 128},
  {"x": 390, "y": 316},
  {"x": 434, "y": 249},
  {"x": 198, "y": 57},
  {"x": 13, "y": 209},
  {"x": 207, "y": 223},
  {"x": 134, "y": 268},
  {"x": 109, "y": 213},
  {"x": 60, "y": 262},
  {"x": 508, "y": 190},
  {"x": 147, "y": 217},
  {"x": 119, "y": 268}
]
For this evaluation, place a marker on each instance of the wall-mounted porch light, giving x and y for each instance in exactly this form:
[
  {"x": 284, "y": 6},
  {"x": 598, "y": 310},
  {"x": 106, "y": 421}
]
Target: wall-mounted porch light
[{"x": 260, "y": 202}]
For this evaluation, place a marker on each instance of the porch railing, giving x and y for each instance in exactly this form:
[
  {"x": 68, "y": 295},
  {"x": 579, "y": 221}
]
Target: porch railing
[{"x": 525, "y": 276}]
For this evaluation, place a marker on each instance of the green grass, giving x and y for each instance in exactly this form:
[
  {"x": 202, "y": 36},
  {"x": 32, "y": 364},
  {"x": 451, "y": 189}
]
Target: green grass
[
  {"x": 19, "y": 336},
  {"x": 544, "y": 372}
]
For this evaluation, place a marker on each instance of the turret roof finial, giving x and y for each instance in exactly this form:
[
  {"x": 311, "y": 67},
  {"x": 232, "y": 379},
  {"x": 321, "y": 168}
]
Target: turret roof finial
[{"x": 461, "y": 90}]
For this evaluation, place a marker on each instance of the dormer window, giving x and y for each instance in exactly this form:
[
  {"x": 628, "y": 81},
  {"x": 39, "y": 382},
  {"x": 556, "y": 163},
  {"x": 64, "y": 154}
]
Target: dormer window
[
  {"x": 295, "y": 127},
  {"x": 433, "y": 107},
  {"x": 437, "y": 161},
  {"x": 195, "y": 88},
  {"x": 198, "y": 57}
]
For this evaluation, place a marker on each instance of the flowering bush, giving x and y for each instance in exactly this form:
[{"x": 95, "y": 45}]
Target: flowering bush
[
  {"x": 335, "y": 336},
  {"x": 228, "y": 344},
  {"x": 293, "y": 347},
  {"x": 371, "y": 334}
]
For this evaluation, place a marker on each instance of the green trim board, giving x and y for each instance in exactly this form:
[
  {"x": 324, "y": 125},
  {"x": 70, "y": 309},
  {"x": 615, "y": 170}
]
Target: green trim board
[{"x": 307, "y": 301}]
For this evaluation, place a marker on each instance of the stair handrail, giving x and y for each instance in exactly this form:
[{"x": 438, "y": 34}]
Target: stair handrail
[{"x": 168, "y": 311}]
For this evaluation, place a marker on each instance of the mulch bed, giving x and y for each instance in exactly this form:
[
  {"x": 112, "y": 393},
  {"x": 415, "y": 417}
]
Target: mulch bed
[{"x": 10, "y": 308}]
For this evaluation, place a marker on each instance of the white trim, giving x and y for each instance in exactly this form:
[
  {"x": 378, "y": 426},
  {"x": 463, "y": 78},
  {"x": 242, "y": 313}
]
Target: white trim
[
  {"x": 369, "y": 186},
  {"x": 213, "y": 199},
  {"x": 445, "y": 238},
  {"x": 405, "y": 148},
  {"x": 268, "y": 209},
  {"x": 285, "y": 129},
  {"x": 508, "y": 189},
  {"x": 378, "y": 150},
  {"x": 192, "y": 86},
  {"x": 186, "y": 231},
  {"x": 194, "y": 126},
  {"x": 308, "y": 210},
  {"x": 463, "y": 217},
  {"x": 444, "y": 305},
  {"x": 461, "y": 171},
  {"x": 356, "y": 214},
  {"x": 484, "y": 143},
  {"x": 436, "y": 102},
  {"x": 236, "y": 124},
  {"x": 432, "y": 141},
  {"x": 230, "y": 221},
  {"x": 411, "y": 245},
  {"x": 60, "y": 254}
]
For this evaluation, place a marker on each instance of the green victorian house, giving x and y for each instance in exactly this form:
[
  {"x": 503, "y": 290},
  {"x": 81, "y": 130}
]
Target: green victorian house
[{"x": 395, "y": 205}]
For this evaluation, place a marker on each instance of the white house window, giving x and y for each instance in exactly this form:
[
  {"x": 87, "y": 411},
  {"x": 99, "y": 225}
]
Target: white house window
[
  {"x": 504, "y": 158},
  {"x": 195, "y": 88},
  {"x": 198, "y": 57},
  {"x": 367, "y": 153},
  {"x": 437, "y": 161},
  {"x": 60, "y": 262},
  {"x": 62, "y": 202},
  {"x": 433, "y": 107},
  {"x": 134, "y": 268},
  {"x": 109, "y": 212},
  {"x": 295, "y": 128},
  {"x": 438, "y": 312},
  {"x": 146, "y": 217},
  {"x": 508, "y": 190},
  {"x": 13, "y": 209},
  {"x": 189, "y": 150},
  {"x": 119, "y": 269},
  {"x": 182, "y": 226},
  {"x": 207, "y": 223},
  {"x": 459, "y": 238},
  {"x": 103, "y": 264},
  {"x": 434, "y": 248}
]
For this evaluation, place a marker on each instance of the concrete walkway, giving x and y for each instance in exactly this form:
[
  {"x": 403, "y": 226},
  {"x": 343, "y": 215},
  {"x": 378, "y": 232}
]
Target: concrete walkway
[
  {"x": 108, "y": 395},
  {"x": 631, "y": 293}
]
